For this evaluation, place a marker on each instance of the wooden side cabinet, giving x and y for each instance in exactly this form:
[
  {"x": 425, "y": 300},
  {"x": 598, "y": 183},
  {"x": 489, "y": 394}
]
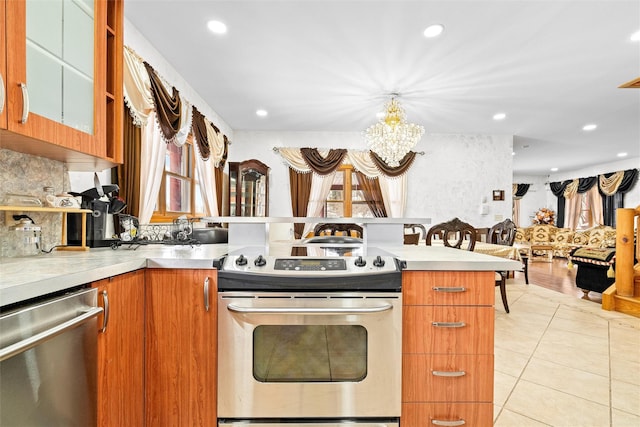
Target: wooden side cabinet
[
  {"x": 121, "y": 350},
  {"x": 181, "y": 346},
  {"x": 447, "y": 348}
]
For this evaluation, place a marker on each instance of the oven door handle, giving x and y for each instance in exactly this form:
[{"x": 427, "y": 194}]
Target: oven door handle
[{"x": 308, "y": 310}]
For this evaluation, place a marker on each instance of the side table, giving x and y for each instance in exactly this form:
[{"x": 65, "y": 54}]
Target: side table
[{"x": 547, "y": 249}]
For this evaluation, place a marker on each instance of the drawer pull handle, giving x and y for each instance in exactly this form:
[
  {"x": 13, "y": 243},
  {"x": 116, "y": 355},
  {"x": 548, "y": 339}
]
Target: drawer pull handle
[
  {"x": 448, "y": 324},
  {"x": 448, "y": 373},
  {"x": 448, "y": 423},
  {"x": 445, "y": 289}
]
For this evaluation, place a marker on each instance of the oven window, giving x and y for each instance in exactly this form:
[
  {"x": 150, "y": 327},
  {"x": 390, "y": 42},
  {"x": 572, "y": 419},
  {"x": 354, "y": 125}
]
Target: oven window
[{"x": 309, "y": 353}]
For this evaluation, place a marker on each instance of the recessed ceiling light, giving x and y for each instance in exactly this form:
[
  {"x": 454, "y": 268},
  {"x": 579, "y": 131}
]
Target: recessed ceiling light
[
  {"x": 499, "y": 116},
  {"x": 554, "y": 169},
  {"x": 433, "y": 30},
  {"x": 622, "y": 154},
  {"x": 261, "y": 113},
  {"x": 217, "y": 27},
  {"x": 513, "y": 153},
  {"x": 589, "y": 127},
  {"x": 635, "y": 36}
]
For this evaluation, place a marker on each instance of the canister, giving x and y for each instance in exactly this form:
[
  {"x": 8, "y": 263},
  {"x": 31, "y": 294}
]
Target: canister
[{"x": 28, "y": 238}]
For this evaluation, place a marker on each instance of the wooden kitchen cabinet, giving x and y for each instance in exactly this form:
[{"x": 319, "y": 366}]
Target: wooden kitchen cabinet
[
  {"x": 63, "y": 79},
  {"x": 181, "y": 346},
  {"x": 3, "y": 70},
  {"x": 447, "y": 346},
  {"x": 121, "y": 351}
]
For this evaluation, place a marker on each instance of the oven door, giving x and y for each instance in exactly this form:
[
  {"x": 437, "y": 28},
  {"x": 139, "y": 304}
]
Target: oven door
[{"x": 309, "y": 355}]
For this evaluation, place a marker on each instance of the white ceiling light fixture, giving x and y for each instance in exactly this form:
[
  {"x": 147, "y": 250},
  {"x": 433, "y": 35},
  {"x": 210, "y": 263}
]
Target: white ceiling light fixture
[
  {"x": 433, "y": 30},
  {"x": 589, "y": 127},
  {"x": 635, "y": 36},
  {"x": 499, "y": 116},
  {"x": 622, "y": 154},
  {"x": 217, "y": 27},
  {"x": 262, "y": 113},
  {"x": 554, "y": 169},
  {"x": 392, "y": 137}
]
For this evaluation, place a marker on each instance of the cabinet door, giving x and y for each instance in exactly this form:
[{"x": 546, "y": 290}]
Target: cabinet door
[
  {"x": 181, "y": 347},
  {"x": 56, "y": 78},
  {"x": 121, "y": 351},
  {"x": 3, "y": 70}
]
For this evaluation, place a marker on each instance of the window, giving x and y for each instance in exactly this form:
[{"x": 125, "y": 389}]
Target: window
[
  {"x": 345, "y": 198},
  {"x": 586, "y": 216},
  {"x": 180, "y": 189}
]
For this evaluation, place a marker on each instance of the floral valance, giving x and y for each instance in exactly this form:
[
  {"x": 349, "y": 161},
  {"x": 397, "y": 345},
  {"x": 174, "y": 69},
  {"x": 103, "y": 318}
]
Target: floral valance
[
  {"x": 325, "y": 161},
  {"x": 145, "y": 91}
]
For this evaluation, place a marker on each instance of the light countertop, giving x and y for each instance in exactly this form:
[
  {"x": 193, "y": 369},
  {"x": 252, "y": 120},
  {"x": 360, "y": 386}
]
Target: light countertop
[{"x": 29, "y": 277}]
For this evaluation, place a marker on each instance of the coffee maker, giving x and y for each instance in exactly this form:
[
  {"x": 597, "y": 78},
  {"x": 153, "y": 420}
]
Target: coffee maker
[{"x": 104, "y": 203}]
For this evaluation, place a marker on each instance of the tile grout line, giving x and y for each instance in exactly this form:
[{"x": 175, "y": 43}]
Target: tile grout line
[{"x": 525, "y": 367}]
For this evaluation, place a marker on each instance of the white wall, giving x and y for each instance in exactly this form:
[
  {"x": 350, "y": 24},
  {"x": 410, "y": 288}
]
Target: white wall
[
  {"x": 450, "y": 180},
  {"x": 538, "y": 196}
]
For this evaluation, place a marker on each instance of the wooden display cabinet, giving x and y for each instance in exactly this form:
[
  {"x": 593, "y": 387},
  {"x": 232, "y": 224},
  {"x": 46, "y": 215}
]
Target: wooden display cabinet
[{"x": 248, "y": 188}]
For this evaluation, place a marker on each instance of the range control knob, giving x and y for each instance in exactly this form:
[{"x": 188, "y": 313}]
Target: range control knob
[
  {"x": 260, "y": 261},
  {"x": 241, "y": 260},
  {"x": 378, "y": 262},
  {"x": 360, "y": 262}
]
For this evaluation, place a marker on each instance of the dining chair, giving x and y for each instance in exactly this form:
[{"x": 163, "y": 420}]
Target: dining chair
[
  {"x": 413, "y": 233},
  {"x": 455, "y": 231},
  {"x": 330, "y": 229},
  {"x": 503, "y": 233}
]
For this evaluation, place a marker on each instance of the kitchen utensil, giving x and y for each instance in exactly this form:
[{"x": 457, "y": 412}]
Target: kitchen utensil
[{"x": 28, "y": 235}]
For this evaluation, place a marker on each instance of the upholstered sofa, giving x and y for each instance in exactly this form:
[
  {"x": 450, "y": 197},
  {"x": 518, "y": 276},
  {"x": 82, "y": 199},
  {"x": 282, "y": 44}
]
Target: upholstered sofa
[{"x": 564, "y": 240}]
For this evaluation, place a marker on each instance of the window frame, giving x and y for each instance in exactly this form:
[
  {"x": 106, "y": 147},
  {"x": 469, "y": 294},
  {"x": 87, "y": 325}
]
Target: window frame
[
  {"x": 164, "y": 215},
  {"x": 347, "y": 188}
]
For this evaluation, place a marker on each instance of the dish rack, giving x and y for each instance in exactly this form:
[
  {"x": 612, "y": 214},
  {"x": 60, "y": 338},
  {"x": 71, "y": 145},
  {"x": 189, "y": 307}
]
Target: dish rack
[{"x": 178, "y": 232}]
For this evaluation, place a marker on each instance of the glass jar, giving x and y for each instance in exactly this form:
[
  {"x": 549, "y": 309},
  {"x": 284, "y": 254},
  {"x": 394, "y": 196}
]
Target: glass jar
[
  {"x": 28, "y": 238},
  {"x": 48, "y": 196}
]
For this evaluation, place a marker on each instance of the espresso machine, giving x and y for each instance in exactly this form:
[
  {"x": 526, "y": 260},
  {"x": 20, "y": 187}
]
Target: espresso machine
[{"x": 104, "y": 203}]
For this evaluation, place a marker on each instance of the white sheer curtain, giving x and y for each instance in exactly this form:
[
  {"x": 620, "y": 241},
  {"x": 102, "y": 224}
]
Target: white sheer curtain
[
  {"x": 207, "y": 178},
  {"x": 394, "y": 194},
  {"x": 153, "y": 152},
  {"x": 320, "y": 187},
  {"x": 595, "y": 203}
]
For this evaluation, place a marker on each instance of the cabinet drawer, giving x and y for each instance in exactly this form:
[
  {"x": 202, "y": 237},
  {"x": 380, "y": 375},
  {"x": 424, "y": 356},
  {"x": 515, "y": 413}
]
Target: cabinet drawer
[
  {"x": 447, "y": 329},
  {"x": 447, "y": 378},
  {"x": 463, "y": 414},
  {"x": 448, "y": 288}
]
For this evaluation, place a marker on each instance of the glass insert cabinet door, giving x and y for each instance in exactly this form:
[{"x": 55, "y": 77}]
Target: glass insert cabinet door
[
  {"x": 60, "y": 65},
  {"x": 248, "y": 188}
]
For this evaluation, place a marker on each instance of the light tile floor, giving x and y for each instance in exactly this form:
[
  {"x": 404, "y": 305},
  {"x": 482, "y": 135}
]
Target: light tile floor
[{"x": 563, "y": 361}]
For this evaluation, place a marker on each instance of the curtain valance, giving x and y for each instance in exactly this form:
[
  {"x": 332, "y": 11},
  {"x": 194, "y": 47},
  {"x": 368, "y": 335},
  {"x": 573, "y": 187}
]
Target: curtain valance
[
  {"x": 145, "y": 91},
  {"x": 519, "y": 190},
  {"x": 321, "y": 164},
  {"x": 317, "y": 160},
  {"x": 168, "y": 107}
]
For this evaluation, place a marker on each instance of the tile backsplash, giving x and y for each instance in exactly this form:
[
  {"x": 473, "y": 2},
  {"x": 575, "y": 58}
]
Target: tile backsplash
[{"x": 27, "y": 175}]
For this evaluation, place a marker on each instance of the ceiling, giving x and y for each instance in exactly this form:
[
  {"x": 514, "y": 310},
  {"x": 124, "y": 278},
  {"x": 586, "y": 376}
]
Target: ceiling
[{"x": 550, "y": 66}]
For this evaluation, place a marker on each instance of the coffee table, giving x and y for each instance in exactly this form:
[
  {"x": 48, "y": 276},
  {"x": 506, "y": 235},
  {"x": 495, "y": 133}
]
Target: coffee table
[{"x": 547, "y": 249}]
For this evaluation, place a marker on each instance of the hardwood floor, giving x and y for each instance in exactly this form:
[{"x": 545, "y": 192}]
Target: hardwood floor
[{"x": 557, "y": 277}]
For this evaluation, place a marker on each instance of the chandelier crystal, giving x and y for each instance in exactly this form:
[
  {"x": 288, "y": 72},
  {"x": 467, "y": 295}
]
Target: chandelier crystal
[{"x": 392, "y": 137}]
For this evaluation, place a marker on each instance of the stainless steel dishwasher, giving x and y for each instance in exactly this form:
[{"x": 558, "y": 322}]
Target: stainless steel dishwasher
[{"x": 48, "y": 362}]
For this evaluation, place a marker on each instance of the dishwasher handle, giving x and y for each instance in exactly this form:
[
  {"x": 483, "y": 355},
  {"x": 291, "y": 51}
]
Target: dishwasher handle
[{"x": 43, "y": 336}]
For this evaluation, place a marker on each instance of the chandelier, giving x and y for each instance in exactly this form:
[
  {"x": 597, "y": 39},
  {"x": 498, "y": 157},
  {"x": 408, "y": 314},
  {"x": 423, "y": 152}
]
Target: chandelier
[{"x": 392, "y": 137}]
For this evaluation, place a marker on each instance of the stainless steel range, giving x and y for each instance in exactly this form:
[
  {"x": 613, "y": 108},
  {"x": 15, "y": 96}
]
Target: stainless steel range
[{"x": 312, "y": 341}]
